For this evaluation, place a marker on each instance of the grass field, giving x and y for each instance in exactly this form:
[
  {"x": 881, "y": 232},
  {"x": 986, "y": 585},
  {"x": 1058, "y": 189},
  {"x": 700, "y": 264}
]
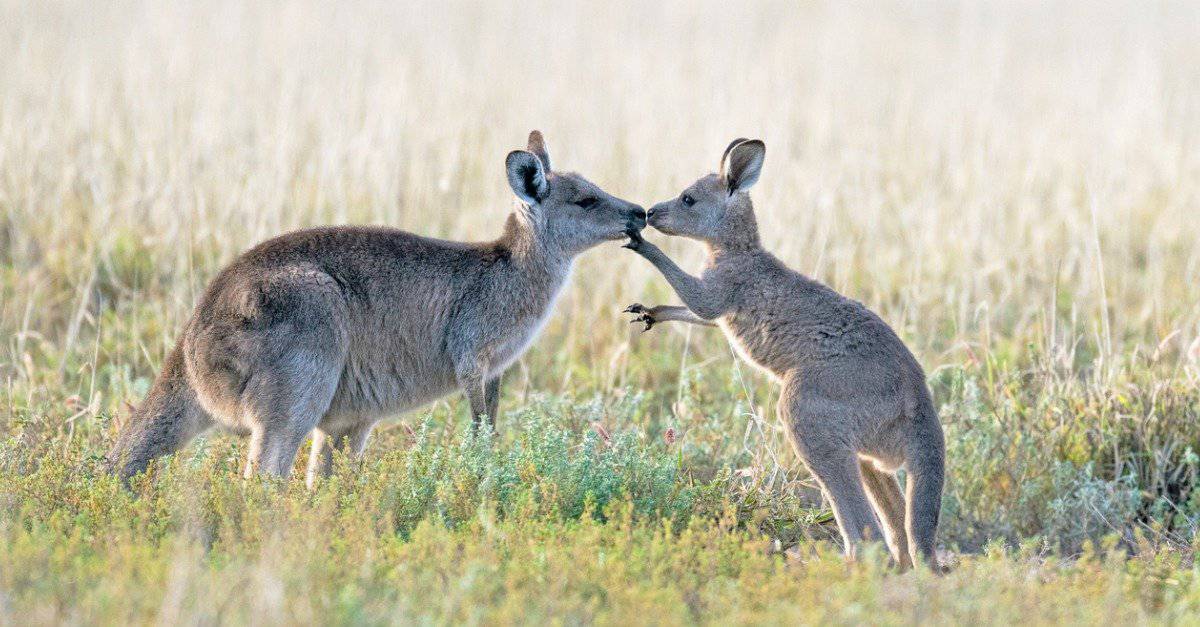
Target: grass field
[{"x": 1014, "y": 187}]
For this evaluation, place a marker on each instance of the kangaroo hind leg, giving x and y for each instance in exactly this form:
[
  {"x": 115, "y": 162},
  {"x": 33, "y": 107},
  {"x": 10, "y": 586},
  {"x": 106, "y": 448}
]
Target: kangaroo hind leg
[
  {"x": 325, "y": 442},
  {"x": 298, "y": 359},
  {"x": 888, "y": 502},
  {"x": 816, "y": 427},
  {"x": 841, "y": 481},
  {"x": 283, "y": 404}
]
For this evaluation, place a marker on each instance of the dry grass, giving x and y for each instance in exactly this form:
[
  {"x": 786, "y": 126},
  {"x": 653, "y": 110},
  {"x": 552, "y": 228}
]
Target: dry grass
[{"x": 1015, "y": 188}]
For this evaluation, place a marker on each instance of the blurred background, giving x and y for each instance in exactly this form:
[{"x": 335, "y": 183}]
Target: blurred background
[{"x": 1015, "y": 187}]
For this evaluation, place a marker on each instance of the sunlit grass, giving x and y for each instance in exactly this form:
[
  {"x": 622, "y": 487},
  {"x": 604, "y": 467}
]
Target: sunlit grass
[{"x": 1015, "y": 189}]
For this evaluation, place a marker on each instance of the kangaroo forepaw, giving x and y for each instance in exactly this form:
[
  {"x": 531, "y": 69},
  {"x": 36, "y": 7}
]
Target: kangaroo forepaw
[
  {"x": 644, "y": 315},
  {"x": 635, "y": 240}
]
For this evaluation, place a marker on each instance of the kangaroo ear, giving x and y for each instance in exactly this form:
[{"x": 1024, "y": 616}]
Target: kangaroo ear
[
  {"x": 537, "y": 145},
  {"x": 526, "y": 176},
  {"x": 725, "y": 155},
  {"x": 742, "y": 163}
]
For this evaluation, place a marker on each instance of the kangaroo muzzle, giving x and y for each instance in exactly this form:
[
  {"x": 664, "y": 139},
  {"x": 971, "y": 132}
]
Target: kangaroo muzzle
[
  {"x": 656, "y": 215},
  {"x": 635, "y": 219}
]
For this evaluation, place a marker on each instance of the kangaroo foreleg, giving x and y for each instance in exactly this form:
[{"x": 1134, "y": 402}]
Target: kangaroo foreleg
[
  {"x": 705, "y": 302},
  {"x": 651, "y": 316}
]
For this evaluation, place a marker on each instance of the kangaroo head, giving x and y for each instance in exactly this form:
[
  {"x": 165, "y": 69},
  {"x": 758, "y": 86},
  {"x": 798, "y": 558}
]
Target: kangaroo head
[
  {"x": 563, "y": 209},
  {"x": 716, "y": 208}
]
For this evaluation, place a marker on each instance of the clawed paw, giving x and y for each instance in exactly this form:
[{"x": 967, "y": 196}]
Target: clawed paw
[
  {"x": 635, "y": 240},
  {"x": 644, "y": 315}
]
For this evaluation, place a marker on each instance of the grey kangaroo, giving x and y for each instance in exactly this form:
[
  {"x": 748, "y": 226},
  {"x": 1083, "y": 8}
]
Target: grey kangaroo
[
  {"x": 328, "y": 330},
  {"x": 854, "y": 398}
]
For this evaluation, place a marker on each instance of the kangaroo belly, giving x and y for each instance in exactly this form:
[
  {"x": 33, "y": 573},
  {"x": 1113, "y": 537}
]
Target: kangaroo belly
[{"x": 390, "y": 375}]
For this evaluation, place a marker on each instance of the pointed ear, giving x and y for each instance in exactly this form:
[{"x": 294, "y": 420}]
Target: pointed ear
[
  {"x": 526, "y": 176},
  {"x": 742, "y": 164},
  {"x": 725, "y": 155},
  {"x": 537, "y": 145}
]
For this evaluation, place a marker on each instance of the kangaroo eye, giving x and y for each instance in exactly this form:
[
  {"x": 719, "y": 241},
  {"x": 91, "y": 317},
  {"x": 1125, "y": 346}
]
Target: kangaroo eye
[
  {"x": 688, "y": 201},
  {"x": 586, "y": 202}
]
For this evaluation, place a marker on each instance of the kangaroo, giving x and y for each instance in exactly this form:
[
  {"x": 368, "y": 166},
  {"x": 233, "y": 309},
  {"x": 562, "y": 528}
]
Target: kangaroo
[
  {"x": 328, "y": 330},
  {"x": 854, "y": 398}
]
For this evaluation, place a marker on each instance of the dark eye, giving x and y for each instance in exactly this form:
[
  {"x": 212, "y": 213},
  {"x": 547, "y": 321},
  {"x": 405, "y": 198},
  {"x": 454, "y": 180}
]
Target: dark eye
[
  {"x": 586, "y": 202},
  {"x": 688, "y": 201}
]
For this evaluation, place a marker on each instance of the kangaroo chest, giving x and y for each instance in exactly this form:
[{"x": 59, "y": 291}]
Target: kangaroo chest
[
  {"x": 751, "y": 338},
  {"x": 520, "y": 323},
  {"x": 514, "y": 341},
  {"x": 757, "y": 327}
]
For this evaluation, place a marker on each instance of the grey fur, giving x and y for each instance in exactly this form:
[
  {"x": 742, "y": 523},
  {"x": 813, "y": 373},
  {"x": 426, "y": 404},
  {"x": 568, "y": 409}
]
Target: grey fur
[
  {"x": 854, "y": 398},
  {"x": 329, "y": 330},
  {"x": 651, "y": 316}
]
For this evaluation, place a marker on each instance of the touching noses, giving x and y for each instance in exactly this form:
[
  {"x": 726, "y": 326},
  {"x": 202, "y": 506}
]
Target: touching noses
[{"x": 637, "y": 216}]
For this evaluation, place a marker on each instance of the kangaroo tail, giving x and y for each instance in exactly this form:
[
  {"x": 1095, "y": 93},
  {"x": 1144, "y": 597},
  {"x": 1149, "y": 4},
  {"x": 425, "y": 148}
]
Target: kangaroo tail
[
  {"x": 168, "y": 418},
  {"x": 926, "y": 465}
]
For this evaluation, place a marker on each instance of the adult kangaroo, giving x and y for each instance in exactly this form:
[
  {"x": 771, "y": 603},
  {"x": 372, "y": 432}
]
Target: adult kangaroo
[
  {"x": 854, "y": 399},
  {"x": 328, "y": 330}
]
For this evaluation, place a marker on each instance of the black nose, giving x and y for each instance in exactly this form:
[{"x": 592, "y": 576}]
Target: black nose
[{"x": 637, "y": 217}]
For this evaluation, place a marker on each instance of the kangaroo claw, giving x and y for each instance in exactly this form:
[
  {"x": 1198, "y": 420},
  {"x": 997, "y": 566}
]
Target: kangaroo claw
[
  {"x": 635, "y": 240},
  {"x": 646, "y": 317},
  {"x": 635, "y": 308}
]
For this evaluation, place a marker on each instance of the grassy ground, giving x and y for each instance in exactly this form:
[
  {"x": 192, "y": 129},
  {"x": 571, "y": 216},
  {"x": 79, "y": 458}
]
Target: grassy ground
[{"x": 1015, "y": 189}]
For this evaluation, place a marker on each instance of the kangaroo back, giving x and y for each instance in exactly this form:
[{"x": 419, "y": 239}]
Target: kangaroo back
[{"x": 166, "y": 420}]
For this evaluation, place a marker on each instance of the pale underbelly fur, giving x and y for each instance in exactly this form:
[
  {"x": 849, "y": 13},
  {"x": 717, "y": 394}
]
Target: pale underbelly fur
[{"x": 742, "y": 350}]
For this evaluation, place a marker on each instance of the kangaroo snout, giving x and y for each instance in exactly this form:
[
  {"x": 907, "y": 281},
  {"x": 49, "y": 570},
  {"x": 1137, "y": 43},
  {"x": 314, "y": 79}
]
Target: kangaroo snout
[
  {"x": 656, "y": 214},
  {"x": 635, "y": 218}
]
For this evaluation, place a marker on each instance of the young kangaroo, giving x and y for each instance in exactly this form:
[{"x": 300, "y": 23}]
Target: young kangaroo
[
  {"x": 854, "y": 399},
  {"x": 334, "y": 328}
]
